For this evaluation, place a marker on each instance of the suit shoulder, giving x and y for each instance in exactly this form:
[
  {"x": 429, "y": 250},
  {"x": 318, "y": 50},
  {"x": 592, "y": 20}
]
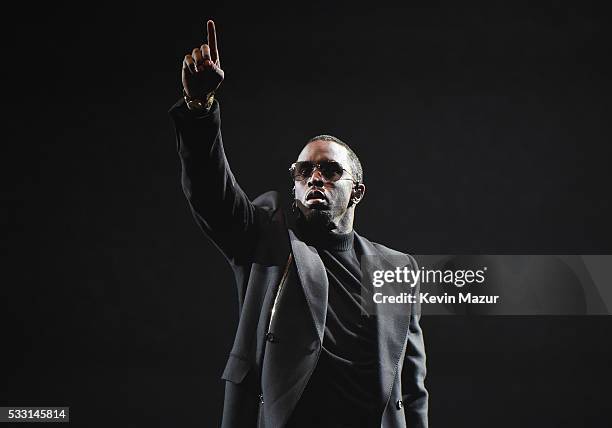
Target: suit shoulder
[
  {"x": 269, "y": 201},
  {"x": 386, "y": 250},
  {"x": 390, "y": 252},
  {"x": 269, "y": 205}
]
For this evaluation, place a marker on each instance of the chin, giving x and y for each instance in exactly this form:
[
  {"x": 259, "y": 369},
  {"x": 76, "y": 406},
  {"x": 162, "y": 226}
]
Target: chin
[{"x": 318, "y": 216}]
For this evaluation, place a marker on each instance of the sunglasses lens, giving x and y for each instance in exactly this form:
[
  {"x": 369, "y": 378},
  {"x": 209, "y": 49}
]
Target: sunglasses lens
[
  {"x": 332, "y": 171},
  {"x": 302, "y": 170}
]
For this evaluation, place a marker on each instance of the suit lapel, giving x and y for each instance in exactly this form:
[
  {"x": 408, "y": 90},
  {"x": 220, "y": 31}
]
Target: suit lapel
[
  {"x": 392, "y": 324},
  {"x": 289, "y": 361},
  {"x": 313, "y": 278}
]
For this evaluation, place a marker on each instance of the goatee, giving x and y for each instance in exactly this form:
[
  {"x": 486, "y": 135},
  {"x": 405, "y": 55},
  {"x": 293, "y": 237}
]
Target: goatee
[{"x": 316, "y": 220}]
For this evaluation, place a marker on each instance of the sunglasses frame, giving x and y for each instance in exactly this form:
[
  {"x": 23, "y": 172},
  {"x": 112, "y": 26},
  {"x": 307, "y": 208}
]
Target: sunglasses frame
[{"x": 317, "y": 165}]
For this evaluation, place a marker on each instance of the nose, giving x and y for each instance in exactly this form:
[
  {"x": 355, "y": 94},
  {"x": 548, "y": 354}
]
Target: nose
[{"x": 316, "y": 179}]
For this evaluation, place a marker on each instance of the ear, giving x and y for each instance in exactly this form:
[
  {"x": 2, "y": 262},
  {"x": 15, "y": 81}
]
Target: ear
[{"x": 358, "y": 193}]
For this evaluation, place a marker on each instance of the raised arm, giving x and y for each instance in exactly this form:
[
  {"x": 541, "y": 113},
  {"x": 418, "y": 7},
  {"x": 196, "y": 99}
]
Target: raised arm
[{"x": 220, "y": 207}]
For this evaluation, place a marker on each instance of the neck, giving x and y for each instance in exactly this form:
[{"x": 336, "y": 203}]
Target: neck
[
  {"x": 344, "y": 224},
  {"x": 322, "y": 237}
]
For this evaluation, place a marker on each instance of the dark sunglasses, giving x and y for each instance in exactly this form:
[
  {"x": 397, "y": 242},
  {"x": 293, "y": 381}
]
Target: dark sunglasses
[{"x": 330, "y": 170}]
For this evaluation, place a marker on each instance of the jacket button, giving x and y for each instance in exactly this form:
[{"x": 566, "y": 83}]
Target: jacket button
[
  {"x": 399, "y": 404},
  {"x": 270, "y": 337},
  {"x": 261, "y": 400}
]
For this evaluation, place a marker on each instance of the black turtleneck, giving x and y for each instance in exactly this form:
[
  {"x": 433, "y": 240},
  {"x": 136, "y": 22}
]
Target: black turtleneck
[{"x": 342, "y": 391}]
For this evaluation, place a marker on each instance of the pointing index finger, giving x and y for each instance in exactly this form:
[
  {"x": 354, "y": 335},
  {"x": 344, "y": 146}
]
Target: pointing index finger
[{"x": 212, "y": 41}]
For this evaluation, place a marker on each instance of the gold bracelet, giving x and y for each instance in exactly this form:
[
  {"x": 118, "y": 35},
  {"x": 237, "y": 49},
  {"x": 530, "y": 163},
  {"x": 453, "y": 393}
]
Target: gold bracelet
[{"x": 199, "y": 105}]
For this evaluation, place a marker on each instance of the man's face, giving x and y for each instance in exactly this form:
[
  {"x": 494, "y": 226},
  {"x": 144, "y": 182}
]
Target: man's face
[{"x": 318, "y": 198}]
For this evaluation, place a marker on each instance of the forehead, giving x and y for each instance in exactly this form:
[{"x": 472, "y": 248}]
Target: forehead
[{"x": 319, "y": 150}]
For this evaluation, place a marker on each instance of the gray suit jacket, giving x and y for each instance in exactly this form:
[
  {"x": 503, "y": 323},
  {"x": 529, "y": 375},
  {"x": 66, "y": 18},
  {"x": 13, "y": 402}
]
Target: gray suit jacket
[{"x": 273, "y": 356}]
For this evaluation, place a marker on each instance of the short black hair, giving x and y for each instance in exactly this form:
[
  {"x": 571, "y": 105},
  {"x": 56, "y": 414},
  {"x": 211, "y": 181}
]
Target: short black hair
[{"x": 356, "y": 168}]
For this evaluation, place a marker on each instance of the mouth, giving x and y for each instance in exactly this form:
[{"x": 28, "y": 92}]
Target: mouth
[{"x": 316, "y": 197}]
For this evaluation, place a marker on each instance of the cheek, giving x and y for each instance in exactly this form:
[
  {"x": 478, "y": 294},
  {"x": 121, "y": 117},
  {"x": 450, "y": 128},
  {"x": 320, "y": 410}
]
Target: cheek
[
  {"x": 300, "y": 190},
  {"x": 342, "y": 194}
]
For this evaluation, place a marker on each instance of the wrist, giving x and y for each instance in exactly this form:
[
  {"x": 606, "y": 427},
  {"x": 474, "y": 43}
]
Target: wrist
[{"x": 197, "y": 104}]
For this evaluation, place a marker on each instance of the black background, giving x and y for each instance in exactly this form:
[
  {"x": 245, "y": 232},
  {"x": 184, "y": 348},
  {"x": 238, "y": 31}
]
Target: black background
[{"x": 481, "y": 130}]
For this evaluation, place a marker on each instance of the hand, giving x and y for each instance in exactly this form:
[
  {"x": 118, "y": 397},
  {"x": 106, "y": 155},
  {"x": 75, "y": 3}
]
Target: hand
[{"x": 202, "y": 72}]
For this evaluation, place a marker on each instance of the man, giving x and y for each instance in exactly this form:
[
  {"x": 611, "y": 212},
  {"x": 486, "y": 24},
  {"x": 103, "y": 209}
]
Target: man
[{"x": 304, "y": 355}]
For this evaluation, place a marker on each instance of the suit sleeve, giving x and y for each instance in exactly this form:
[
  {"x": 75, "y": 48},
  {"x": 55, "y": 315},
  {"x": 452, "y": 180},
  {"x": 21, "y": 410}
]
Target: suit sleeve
[
  {"x": 220, "y": 207},
  {"x": 414, "y": 395}
]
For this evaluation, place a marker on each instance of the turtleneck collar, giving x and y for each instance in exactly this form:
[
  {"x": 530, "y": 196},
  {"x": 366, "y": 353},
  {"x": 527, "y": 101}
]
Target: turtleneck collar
[{"x": 325, "y": 239}]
